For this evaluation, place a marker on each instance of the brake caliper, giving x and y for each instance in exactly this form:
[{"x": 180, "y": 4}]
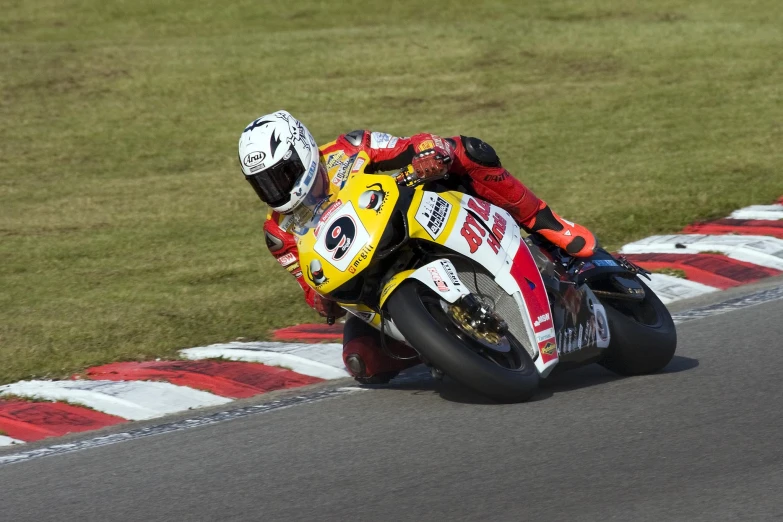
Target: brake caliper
[{"x": 477, "y": 317}]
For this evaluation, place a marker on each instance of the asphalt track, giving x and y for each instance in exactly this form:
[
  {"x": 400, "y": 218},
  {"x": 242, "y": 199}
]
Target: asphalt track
[{"x": 700, "y": 441}]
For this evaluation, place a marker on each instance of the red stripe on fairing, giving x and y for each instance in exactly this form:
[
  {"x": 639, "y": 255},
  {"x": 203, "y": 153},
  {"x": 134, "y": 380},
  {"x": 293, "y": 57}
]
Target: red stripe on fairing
[
  {"x": 524, "y": 270},
  {"x": 310, "y": 332},
  {"x": 227, "y": 378},
  {"x": 748, "y": 227},
  {"x": 709, "y": 269},
  {"x": 31, "y": 421}
]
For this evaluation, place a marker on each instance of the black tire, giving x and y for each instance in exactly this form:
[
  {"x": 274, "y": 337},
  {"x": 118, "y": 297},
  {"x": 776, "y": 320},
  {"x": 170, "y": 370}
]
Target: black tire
[
  {"x": 643, "y": 335},
  {"x": 433, "y": 340}
]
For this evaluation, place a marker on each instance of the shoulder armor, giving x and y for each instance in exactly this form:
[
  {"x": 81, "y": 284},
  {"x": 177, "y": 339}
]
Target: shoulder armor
[
  {"x": 355, "y": 138},
  {"x": 480, "y": 152}
]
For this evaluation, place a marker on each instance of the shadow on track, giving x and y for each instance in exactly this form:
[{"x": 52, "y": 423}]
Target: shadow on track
[{"x": 419, "y": 381}]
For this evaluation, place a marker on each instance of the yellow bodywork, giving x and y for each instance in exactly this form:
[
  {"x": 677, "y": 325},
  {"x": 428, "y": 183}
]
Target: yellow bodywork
[{"x": 325, "y": 273}]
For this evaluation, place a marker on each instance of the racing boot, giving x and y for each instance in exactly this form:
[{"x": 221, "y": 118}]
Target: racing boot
[
  {"x": 493, "y": 183},
  {"x": 574, "y": 239},
  {"x": 365, "y": 359}
]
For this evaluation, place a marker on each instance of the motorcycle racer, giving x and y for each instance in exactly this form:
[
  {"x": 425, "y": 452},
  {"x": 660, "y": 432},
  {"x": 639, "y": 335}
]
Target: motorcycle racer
[{"x": 289, "y": 172}]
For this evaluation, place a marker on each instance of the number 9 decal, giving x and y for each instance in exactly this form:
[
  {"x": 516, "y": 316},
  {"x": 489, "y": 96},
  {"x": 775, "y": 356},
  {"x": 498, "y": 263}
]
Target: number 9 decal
[{"x": 340, "y": 236}]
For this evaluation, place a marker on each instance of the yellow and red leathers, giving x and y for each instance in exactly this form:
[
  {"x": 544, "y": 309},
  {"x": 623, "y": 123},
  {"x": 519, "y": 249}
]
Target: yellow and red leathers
[{"x": 475, "y": 165}]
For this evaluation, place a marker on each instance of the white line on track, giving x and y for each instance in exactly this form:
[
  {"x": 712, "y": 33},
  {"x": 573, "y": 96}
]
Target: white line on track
[{"x": 736, "y": 303}]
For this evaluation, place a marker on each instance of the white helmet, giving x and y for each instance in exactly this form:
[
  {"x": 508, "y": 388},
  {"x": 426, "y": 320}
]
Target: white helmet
[{"x": 281, "y": 161}]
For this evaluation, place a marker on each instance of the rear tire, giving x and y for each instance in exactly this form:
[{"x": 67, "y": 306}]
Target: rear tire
[
  {"x": 643, "y": 336},
  {"x": 433, "y": 340}
]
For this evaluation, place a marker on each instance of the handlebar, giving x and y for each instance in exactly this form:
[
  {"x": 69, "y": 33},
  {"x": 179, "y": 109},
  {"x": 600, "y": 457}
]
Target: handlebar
[{"x": 407, "y": 176}]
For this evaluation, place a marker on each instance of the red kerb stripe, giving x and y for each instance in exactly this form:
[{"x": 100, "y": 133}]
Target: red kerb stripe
[
  {"x": 227, "y": 378},
  {"x": 30, "y": 421},
  {"x": 709, "y": 269},
  {"x": 746, "y": 227},
  {"x": 310, "y": 332}
]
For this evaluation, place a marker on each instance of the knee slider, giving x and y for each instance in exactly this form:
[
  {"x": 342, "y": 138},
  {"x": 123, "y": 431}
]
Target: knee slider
[{"x": 480, "y": 152}]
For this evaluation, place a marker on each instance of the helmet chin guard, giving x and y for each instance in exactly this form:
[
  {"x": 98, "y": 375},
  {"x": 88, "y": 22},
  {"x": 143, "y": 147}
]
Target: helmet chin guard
[{"x": 280, "y": 159}]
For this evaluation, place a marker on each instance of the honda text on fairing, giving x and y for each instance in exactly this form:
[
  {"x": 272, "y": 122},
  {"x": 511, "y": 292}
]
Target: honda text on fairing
[{"x": 451, "y": 276}]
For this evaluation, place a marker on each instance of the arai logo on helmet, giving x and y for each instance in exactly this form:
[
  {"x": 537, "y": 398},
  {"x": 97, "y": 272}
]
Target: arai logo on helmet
[{"x": 253, "y": 158}]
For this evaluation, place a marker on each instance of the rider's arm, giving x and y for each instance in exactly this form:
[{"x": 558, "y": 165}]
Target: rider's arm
[
  {"x": 389, "y": 152},
  {"x": 282, "y": 246}
]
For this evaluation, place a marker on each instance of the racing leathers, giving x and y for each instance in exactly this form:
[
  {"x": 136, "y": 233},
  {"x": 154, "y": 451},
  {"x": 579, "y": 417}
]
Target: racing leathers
[{"x": 471, "y": 163}]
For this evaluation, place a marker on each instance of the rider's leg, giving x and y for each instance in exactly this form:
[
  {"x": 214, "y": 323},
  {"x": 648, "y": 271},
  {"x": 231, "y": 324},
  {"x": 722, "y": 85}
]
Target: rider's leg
[
  {"x": 365, "y": 359},
  {"x": 492, "y": 182}
]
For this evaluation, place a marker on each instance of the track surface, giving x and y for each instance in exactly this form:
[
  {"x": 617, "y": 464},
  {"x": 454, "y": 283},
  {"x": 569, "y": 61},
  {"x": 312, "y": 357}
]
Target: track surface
[{"x": 701, "y": 441}]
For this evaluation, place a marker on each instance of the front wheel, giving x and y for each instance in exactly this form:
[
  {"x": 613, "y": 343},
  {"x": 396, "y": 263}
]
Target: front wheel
[{"x": 420, "y": 315}]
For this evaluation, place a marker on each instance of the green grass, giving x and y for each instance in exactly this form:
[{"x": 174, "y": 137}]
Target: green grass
[
  {"x": 127, "y": 232},
  {"x": 674, "y": 272}
]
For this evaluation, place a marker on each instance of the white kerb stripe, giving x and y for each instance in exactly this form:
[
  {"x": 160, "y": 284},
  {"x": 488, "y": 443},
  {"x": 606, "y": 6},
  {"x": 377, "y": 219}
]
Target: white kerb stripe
[
  {"x": 669, "y": 288},
  {"x": 327, "y": 353},
  {"x": 7, "y": 441},
  {"x": 134, "y": 400},
  {"x": 759, "y": 250},
  {"x": 295, "y": 362},
  {"x": 771, "y": 212}
]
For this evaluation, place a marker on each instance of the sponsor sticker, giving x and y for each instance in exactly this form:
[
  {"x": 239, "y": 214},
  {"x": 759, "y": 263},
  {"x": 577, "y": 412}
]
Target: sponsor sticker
[
  {"x": 433, "y": 214},
  {"x": 548, "y": 349},
  {"x": 449, "y": 269},
  {"x": 437, "y": 279},
  {"x": 426, "y": 145},
  {"x": 342, "y": 174},
  {"x": 540, "y": 320},
  {"x": 327, "y": 215},
  {"x": 361, "y": 258},
  {"x": 549, "y": 333},
  {"x": 253, "y": 158},
  {"x": 286, "y": 259},
  {"x": 334, "y": 159},
  {"x": 357, "y": 165},
  {"x": 380, "y": 140},
  {"x": 604, "y": 262}
]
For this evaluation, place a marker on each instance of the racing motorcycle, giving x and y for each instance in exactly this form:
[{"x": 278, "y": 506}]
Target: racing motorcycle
[{"x": 451, "y": 275}]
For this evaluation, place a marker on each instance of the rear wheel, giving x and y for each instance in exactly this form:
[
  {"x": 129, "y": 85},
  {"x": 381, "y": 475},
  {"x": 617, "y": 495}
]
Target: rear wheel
[
  {"x": 643, "y": 335},
  {"x": 498, "y": 367}
]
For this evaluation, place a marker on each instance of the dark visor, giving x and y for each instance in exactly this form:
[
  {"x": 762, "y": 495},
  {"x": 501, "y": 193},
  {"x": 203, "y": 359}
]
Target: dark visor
[{"x": 273, "y": 185}]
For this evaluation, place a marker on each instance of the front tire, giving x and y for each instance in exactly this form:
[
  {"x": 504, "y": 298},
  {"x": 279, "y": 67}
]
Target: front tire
[
  {"x": 643, "y": 336},
  {"x": 429, "y": 332}
]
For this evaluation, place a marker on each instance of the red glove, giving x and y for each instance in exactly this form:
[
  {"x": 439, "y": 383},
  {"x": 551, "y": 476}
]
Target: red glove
[
  {"x": 430, "y": 165},
  {"x": 433, "y": 159}
]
